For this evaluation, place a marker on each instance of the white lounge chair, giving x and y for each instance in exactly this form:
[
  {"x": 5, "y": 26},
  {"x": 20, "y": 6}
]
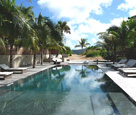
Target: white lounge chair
[
  {"x": 4, "y": 75},
  {"x": 128, "y": 72},
  {"x": 14, "y": 70},
  {"x": 122, "y": 61},
  {"x": 130, "y": 63}
]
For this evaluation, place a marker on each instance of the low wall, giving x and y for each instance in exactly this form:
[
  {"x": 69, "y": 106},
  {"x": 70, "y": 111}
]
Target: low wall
[
  {"x": 21, "y": 60},
  {"x": 24, "y": 60}
]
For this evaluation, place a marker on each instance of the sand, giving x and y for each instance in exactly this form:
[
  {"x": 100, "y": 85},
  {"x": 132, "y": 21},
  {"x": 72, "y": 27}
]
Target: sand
[{"x": 80, "y": 57}]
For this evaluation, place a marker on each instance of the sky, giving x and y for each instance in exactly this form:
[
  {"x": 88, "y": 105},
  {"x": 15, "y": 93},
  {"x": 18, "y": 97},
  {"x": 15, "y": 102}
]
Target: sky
[{"x": 86, "y": 18}]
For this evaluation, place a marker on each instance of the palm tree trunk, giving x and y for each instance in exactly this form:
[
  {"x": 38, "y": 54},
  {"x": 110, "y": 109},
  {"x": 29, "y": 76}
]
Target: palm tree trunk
[
  {"x": 82, "y": 51},
  {"x": 34, "y": 60},
  {"x": 42, "y": 57},
  {"x": 49, "y": 55},
  {"x": 11, "y": 56}
]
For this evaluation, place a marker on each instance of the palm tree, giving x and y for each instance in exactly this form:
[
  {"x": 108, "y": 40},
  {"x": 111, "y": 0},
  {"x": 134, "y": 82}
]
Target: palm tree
[
  {"x": 110, "y": 43},
  {"x": 15, "y": 24},
  {"x": 30, "y": 40},
  {"x": 63, "y": 27},
  {"x": 82, "y": 43},
  {"x": 125, "y": 35},
  {"x": 53, "y": 44},
  {"x": 46, "y": 32}
]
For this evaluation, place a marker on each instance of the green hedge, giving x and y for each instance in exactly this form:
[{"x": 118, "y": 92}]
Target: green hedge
[{"x": 93, "y": 53}]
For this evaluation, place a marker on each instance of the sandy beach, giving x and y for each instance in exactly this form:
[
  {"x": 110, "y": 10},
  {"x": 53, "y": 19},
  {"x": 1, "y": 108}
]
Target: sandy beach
[{"x": 80, "y": 57}]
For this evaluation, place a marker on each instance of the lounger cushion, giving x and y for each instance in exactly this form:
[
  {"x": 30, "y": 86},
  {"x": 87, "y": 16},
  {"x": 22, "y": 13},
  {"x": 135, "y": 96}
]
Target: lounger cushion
[
  {"x": 5, "y": 73},
  {"x": 18, "y": 69},
  {"x": 122, "y": 61},
  {"x": 129, "y": 71}
]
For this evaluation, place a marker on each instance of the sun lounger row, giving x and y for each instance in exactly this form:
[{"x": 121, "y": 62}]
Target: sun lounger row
[
  {"x": 129, "y": 63},
  {"x": 126, "y": 67},
  {"x": 14, "y": 70},
  {"x": 7, "y": 72},
  {"x": 4, "y": 75}
]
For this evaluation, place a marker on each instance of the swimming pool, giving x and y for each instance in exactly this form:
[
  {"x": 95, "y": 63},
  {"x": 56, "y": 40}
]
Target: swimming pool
[{"x": 65, "y": 90}]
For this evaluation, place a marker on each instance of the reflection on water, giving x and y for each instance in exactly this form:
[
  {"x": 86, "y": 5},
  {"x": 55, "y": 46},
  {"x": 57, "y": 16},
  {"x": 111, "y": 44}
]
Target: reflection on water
[{"x": 78, "y": 90}]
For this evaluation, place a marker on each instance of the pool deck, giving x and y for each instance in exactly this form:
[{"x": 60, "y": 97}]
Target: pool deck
[
  {"x": 125, "y": 83},
  {"x": 30, "y": 71}
]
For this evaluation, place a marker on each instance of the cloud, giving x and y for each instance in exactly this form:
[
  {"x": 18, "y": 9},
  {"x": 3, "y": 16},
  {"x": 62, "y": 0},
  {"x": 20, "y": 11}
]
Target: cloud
[
  {"x": 132, "y": 12},
  {"x": 128, "y": 5},
  {"x": 117, "y": 21},
  {"x": 94, "y": 40},
  {"x": 89, "y": 28},
  {"x": 77, "y": 9},
  {"x": 77, "y": 14}
]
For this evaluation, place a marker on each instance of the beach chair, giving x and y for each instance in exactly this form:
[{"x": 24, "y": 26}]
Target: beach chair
[
  {"x": 4, "y": 75},
  {"x": 14, "y": 70},
  {"x": 130, "y": 63},
  {"x": 122, "y": 61},
  {"x": 128, "y": 72}
]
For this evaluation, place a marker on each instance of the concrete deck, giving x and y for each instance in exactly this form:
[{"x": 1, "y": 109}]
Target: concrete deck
[
  {"x": 127, "y": 84},
  {"x": 30, "y": 71}
]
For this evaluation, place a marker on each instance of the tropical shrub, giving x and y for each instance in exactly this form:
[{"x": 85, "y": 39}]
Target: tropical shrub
[
  {"x": 67, "y": 51},
  {"x": 93, "y": 53}
]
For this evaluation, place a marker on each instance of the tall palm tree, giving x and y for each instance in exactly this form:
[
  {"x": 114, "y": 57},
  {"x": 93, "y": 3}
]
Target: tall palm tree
[
  {"x": 16, "y": 25},
  {"x": 110, "y": 43},
  {"x": 54, "y": 44},
  {"x": 46, "y": 32},
  {"x": 63, "y": 27},
  {"x": 82, "y": 43}
]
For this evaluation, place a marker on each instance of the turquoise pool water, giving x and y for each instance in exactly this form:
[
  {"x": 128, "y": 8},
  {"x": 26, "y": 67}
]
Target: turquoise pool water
[{"x": 65, "y": 90}]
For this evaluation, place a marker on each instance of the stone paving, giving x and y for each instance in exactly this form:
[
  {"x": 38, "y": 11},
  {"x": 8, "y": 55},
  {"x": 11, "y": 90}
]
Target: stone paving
[
  {"x": 30, "y": 71},
  {"x": 127, "y": 84}
]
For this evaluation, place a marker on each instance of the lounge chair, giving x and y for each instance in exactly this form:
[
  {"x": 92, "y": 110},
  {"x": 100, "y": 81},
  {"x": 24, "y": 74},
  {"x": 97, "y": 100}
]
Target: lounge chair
[
  {"x": 57, "y": 60},
  {"x": 4, "y": 75},
  {"x": 122, "y": 61},
  {"x": 128, "y": 72},
  {"x": 130, "y": 63},
  {"x": 14, "y": 70}
]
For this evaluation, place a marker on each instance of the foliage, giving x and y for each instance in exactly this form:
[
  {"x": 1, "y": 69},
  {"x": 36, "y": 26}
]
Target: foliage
[
  {"x": 67, "y": 51},
  {"x": 93, "y": 53},
  {"x": 20, "y": 28},
  {"x": 93, "y": 47},
  {"x": 119, "y": 41},
  {"x": 82, "y": 43}
]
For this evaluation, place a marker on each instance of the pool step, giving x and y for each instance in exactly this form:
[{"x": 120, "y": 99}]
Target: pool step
[
  {"x": 101, "y": 105},
  {"x": 123, "y": 104}
]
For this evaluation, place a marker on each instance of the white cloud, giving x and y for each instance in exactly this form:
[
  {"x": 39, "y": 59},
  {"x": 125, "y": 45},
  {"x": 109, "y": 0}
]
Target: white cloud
[
  {"x": 94, "y": 40},
  {"x": 117, "y": 21},
  {"x": 128, "y": 5},
  {"x": 132, "y": 12},
  {"x": 89, "y": 27},
  {"x": 74, "y": 9},
  {"x": 78, "y": 14}
]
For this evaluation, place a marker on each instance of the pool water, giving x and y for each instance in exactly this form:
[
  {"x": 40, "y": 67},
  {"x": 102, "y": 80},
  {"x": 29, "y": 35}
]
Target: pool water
[{"x": 65, "y": 90}]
